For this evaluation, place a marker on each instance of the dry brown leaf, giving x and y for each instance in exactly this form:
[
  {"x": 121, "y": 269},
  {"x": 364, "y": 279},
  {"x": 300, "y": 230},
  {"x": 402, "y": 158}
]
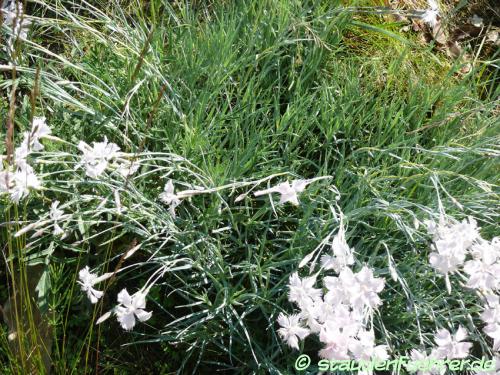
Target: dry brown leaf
[
  {"x": 454, "y": 50},
  {"x": 439, "y": 34},
  {"x": 493, "y": 37}
]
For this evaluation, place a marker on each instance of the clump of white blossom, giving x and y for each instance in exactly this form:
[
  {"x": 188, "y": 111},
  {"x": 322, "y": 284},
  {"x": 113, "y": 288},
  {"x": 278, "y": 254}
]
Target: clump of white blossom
[
  {"x": 19, "y": 177},
  {"x": 448, "y": 346},
  {"x": 337, "y": 308},
  {"x": 95, "y": 159},
  {"x": 130, "y": 308},
  {"x": 458, "y": 249},
  {"x": 15, "y": 19},
  {"x": 452, "y": 242},
  {"x": 103, "y": 156},
  {"x": 458, "y": 246}
]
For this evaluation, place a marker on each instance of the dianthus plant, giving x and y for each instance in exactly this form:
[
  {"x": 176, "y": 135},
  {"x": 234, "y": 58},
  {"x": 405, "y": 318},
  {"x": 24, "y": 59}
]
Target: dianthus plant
[
  {"x": 459, "y": 249},
  {"x": 336, "y": 303}
]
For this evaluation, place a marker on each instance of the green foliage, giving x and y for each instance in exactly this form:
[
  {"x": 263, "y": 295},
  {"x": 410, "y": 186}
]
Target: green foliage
[{"x": 247, "y": 90}]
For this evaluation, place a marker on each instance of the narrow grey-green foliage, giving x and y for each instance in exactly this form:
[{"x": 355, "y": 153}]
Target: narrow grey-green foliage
[{"x": 248, "y": 90}]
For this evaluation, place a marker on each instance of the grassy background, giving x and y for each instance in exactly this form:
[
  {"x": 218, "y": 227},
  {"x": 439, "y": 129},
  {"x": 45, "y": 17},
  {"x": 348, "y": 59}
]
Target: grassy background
[{"x": 243, "y": 90}]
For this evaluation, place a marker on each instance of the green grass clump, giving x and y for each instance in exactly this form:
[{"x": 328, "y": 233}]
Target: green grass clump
[{"x": 242, "y": 91}]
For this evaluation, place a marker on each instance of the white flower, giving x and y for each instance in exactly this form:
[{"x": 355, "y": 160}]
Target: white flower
[
  {"x": 340, "y": 316},
  {"x": 131, "y": 307},
  {"x": 291, "y": 331},
  {"x": 289, "y": 192},
  {"x": 364, "y": 348},
  {"x": 493, "y": 331},
  {"x": 341, "y": 288},
  {"x": 310, "y": 313},
  {"x": 337, "y": 342},
  {"x": 452, "y": 242},
  {"x": 367, "y": 289},
  {"x": 462, "y": 233},
  {"x": 22, "y": 181},
  {"x": 302, "y": 291},
  {"x": 87, "y": 282},
  {"x": 168, "y": 196},
  {"x": 482, "y": 275},
  {"x": 56, "y": 215},
  {"x": 95, "y": 159},
  {"x": 491, "y": 316},
  {"x": 127, "y": 168},
  {"x": 432, "y": 4},
  {"x": 359, "y": 290},
  {"x": 430, "y": 15},
  {"x": 467, "y": 231},
  {"x": 449, "y": 257},
  {"x": 452, "y": 346},
  {"x": 342, "y": 254},
  {"x": 491, "y": 313},
  {"x": 419, "y": 357},
  {"x": 488, "y": 252},
  {"x": 39, "y": 130}
]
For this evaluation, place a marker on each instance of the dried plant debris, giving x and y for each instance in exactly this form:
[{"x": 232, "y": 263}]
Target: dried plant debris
[{"x": 452, "y": 29}]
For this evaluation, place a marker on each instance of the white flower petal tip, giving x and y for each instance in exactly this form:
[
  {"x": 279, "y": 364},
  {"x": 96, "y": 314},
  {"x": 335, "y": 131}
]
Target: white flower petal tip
[
  {"x": 104, "y": 317},
  {"x": 132, "y": 251},
  {"x": 240, "y": 197},
  {"x": 26, "y": 229}
]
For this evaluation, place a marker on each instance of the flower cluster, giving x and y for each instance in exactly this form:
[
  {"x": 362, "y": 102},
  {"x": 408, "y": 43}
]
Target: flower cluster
[
  {"x": 129, "y": 308},
  {"x": 15, "y": 19},
  {"x": 452, "y": 242},
  {"x": 95, "y": 160},
  {"x": 458, "y": 246},
  {"x": 340, "y": 312},
  {"x": 19, "y": 178},
  {"x": 448, "y": 346}
]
